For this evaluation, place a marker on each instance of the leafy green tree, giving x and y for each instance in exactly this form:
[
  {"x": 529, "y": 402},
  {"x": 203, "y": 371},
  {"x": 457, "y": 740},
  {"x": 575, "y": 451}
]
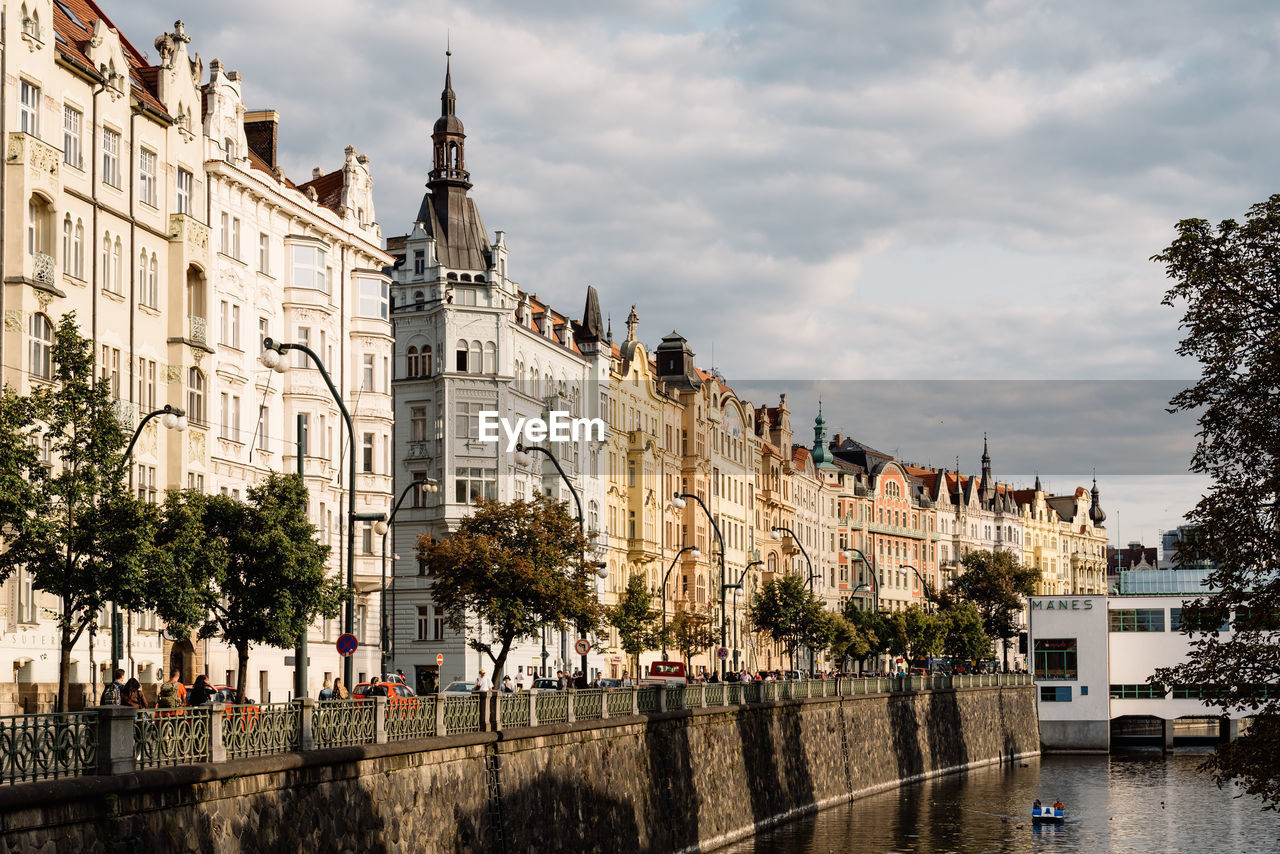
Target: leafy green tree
[
  {"x": 1226, "y": 280},
  {"x": 848, "y": 640},
  {"x": 786, "y": 611},
  {"x": 871, "y": 626},
  {"x": 915, "y": 633},
  {"x": 962, "y": 634},
  {"x": 512, "y": 568},
  {"x": 80, "y": 533},
  {"x": 691, "y": 632},
  {"x": 998, "y": 586},
  {"x": 636, "y": 620},
  {"x": 250, "y": 572}
]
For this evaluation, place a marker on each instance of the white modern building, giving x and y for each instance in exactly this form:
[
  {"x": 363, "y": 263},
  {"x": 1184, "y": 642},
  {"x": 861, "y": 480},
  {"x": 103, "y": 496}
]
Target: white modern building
[{"x": 1091, "y": 657}]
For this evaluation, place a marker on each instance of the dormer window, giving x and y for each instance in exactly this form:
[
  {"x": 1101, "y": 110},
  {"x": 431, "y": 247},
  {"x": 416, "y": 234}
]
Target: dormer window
[
  {"x": 30, "y": 23},
  {"x": 229, "y": 148}
]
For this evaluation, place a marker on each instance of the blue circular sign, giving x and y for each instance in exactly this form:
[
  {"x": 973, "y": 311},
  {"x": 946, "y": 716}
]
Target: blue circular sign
[
  {"x": 722, "y": 653},
  {"x": 347, "y": 645}
]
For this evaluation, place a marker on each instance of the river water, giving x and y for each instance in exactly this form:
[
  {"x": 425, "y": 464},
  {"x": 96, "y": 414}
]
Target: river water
[{"x": 1136, "y": 802}]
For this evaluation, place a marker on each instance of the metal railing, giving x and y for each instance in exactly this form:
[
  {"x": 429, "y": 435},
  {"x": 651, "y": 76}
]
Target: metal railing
[
  {"x": 412, "y": 717},
  {"x": 116, "y": 740},
  {"x": 171, "y": 736},
  {"x": 339, "y": 723},
  {"x": 40, "y": 747},
  {"x": 261, "y": 729}
]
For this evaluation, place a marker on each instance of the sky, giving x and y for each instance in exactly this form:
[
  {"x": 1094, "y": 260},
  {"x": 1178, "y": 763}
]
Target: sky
[{"x": 937, "y": 216}]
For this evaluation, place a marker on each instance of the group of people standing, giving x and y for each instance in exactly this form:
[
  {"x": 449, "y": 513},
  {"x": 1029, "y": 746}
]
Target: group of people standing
[{"x": 171, "y": 694}]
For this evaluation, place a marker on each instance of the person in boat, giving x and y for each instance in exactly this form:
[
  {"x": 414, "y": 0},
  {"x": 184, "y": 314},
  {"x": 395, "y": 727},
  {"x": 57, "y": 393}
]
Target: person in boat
[
  {"x": 1036, "y": 808},
  {"x": 1057, "y": 805}
]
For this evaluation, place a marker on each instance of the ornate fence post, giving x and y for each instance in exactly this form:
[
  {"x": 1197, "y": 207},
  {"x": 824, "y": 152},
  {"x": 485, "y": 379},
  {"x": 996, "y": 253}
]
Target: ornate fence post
[
  {"x": 604, "y": 705},
  {"x": 440, "y": 727},
  {"x": 572, "y": 716},
  {"x": 494, "y": 702},
  {"x": 662, "y": 698},
  {"x": 635, "y": 700},
  {"x": 217, "y": 719},
  {"x": 533, "y": 706},
  {"x": 115, "y": 739},
  {"x": 379, "y": 720},
  {"x": 306, "y": 723}
]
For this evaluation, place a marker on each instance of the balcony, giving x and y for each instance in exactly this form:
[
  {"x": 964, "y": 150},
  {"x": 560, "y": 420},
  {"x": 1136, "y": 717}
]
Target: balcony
[
  {"x": 897, "y": 531},
  {"x": 41, "y": 159},
  {"x": 419, "y": 450},
  {"x": 42, "y": 268},
  {"x": 191, "y": 233}
]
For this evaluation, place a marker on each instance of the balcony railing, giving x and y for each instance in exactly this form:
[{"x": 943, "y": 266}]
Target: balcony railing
[
  {"x": 199, "y": 328},
  {"x": 42, "y": 268}
]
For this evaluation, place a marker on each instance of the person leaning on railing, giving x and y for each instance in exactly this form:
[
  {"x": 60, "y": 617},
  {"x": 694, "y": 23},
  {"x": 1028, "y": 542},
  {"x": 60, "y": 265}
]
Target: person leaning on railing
[
  {"x": 132, "y": 695},
  {"x": 201, "y": 692}
]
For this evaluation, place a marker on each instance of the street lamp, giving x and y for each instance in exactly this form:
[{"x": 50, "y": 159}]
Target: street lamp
[
  {"x": 524, "y": 457},
  {"x": 871, "y": 572},
  {"x": 695, "y": 553},
  {"x": 382, "y": 527},
  {"x": 929, "y": 595},
  {"x": 736, "y": 587},
  {"x": 273, "y": 356},
  {"x": 776, "y": 532},
  {"x": 678, "y": 502},
  {"x": 173, "y": 418}
]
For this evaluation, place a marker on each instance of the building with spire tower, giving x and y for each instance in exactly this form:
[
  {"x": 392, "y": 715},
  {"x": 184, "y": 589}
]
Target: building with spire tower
[{"x": 467, "y": 340}]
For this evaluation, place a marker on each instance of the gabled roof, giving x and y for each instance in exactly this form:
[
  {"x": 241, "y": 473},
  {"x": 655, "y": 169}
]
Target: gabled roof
[
  {"x": 328, "y": 189},
  {"x": 73, "y": 39}
]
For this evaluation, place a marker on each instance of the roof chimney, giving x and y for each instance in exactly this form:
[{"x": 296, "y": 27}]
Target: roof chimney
[{"x": 261, "y": 130}]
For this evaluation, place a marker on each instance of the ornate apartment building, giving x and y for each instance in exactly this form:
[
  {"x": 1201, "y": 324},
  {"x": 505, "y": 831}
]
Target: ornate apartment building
[
  {"x": 469, "y": 340},
  {"x": 144, "y": 198}
]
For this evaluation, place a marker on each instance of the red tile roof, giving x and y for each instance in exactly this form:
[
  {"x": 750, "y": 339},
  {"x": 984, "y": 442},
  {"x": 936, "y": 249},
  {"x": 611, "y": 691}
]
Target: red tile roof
[
  {"x": 75, "y": 39},
  {"x": 328, "y": 189}
]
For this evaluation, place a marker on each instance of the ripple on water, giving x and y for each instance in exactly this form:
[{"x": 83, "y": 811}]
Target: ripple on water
[{"x": 1139, "y": 802}]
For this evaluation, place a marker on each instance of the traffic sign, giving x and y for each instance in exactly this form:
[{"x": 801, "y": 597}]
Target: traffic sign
[
  {"x": 722, "y": 653},
  {"x": 347, "y": 645},
  {"x": 582, "y": 646},
  {"x": 439, "y": 659}
]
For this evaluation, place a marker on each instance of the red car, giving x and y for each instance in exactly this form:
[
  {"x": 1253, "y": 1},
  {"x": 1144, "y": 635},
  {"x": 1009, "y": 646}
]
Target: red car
[{"x": 393, "y": 691}]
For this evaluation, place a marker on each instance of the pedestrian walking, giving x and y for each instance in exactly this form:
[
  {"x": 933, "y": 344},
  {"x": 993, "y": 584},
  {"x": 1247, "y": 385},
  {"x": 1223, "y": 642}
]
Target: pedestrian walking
[
  {"x": 113, "y": 692},
  {"x": 326, "y": 690},
  {"x": 201, "y": 692},
  {"x": 340, "y": 691},
  {"x": 133, "y": 696},
  {"x": 484, "y": 683}
]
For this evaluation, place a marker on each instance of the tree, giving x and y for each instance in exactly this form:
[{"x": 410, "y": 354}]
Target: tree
[
  {"x": 512, "y": 567},
  {"x": 1227, "y": 280},
  {"x": 914, "y": 633},
  {"x": 786, "y": 611},
  {"x": 635, "y": 620},
  {"x": 691, "y": 632},
  {"x": 998, "y": 586},
  {"x": 962, "y": 634},
  {"x": 250, "y": 572},
  {"x": 848, "y": 640},
  {"x": 80, "y": 533},
  {"x": 871, "y": 626}
]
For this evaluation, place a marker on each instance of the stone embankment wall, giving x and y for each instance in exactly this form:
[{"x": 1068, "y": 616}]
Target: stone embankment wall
[{"x": 672, "y": 781}]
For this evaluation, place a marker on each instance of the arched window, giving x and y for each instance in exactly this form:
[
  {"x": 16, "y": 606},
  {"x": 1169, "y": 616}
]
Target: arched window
[
  {"x": 461, "y": 361},
  {"x": 67, "y": 257},
  {"x": 426, "y": 361},
  {"x": 773, "y": 563},
  {"x": 77, "y": 246},
  {"x": 106, "y": 261},
  {"x": 466, "y": 277},
  {"x": 479, "y": 277},
  {"x": 593, "y": 518},
  {"x": 195, "y": 396},
  {"x": 142, "y": 276},
  {"x": 41, "y": 331},
  {"x": 40, "y": 223},
  {"x": 475, "y": 360},
  {"x": 419, "y": 301},
  {"x": 490, "y": 357},
  {"x": 411, "y": 362},
  {"x": 152, "y": 292},
  {"x": 117, "y": 265}
]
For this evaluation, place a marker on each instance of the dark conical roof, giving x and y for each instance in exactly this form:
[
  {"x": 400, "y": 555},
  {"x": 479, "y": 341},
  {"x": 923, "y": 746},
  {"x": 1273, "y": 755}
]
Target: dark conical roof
[{"x": 448, "y": 121}]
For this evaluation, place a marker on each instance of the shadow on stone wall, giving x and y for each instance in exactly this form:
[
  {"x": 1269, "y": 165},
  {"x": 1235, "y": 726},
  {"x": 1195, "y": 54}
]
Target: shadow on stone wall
[
  {"x": 947, "y": 746},
  {"x": 904, "y": 725},
  {"x": 776, "y": 766},
  {"x": 671, "y": 802}
]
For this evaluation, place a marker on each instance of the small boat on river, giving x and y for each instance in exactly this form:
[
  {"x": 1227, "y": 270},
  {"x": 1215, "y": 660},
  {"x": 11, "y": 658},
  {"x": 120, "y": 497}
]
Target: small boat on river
[{"x": 1047, "y": 815}]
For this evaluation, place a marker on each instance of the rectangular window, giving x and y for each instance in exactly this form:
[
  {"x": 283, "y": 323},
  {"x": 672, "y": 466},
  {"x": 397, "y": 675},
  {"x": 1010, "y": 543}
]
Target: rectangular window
[
  {"x": 235, "y": 326},
  {"x": 309, "y": 268},
  {"x": 264, "y": 332},
  {"x": 304, "y": 337},
  {"x": 368, "y": 454},
  {"x": 366, "y": 372},
  {"x": 111, "y": 157},
  {"x": 72, "y": 122},
  {"x": 224, "y": 233},
  {"x": 29, "y": 109},
  {"x": 1140, "y": 691},
  {"x": 1187, "y": 692},
  {"x": 264, "y": 254},
  {"x": 185, "y": 183},
  {"x": 473, "y": 483},
  {"x": 374, "y": 298},
  {"x": 437, "y": 627},
  {"x": 235, "y": 238},
  {"x": 419, "y": 262},
  {"x": 366, "y": 538},
  {"x": 1135, "y": 620},
  {"x": 418, "y": 423},
  {"x": 306, "y": 433},
  {"x": 1055, "y": 694},
  {"x": 424, "y": 623},
  {"x": 1055, "y": 658},
  {"x": 231, "y": 417},
  {"x": 147, "y": 177},
  {"x": 1176, "y": 623},
  {"x": 224, "y": 321},
  {"x": 264, "y": 419},
  {"x": 467, "y": 420}
]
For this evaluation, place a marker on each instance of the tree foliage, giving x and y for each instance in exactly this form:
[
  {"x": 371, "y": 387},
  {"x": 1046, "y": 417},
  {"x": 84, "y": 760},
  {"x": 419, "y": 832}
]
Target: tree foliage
[
  {"x": 1227, "y": 282},
  {"x": 636, "y": 620},
  {"x": 915, "y": 632},
  {"x": 73, "y": 525},
  {"x": 962, "y": 633},
  {"x": 997, "y": 585},
  {"x": 512, "y": 568},
  {"x": 788, "y": 612},
  {"x": 691, "y": 632},
  {"x": 250, "y": 572}
]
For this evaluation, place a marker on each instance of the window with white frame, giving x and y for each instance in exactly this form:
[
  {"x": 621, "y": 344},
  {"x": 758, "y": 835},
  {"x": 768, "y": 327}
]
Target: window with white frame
[
  {"x": 304, "y": 338},
  {"x": 230, "y": 416},
  {"x": 147, "y": 483},
  {"x": 41, "y": 332},
  {"x": 235, "y": 238},
  {"x": 186, "y": 182},
  {"x": 374, "y": 298},
  {"x": 195, "y": 397},
  {"x": 29, "y": 108},
  {"x": 264, "y": 253},
  {"x": 366, "y": 464},
  {"x": 418, "y": 423},
  {"x": 366, "y": 372},
  {"x": 151, "y": 286},
  {"x": 147, "y": 384},
  {"x": 72, "y": 122},
  {"x": 147, "y": 177},
  {"x": 309, "y": 268},
  {"x": 111, "y": 157}
]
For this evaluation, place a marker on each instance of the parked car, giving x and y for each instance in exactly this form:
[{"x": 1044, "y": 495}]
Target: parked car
[
  {"x": 665, "y": 673},
  {"x": 459, "y": 689},
  {"x": 610, "y": 684},
  {"x": 545, "y": 685},
  {"x": 395, "y": 692}
]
